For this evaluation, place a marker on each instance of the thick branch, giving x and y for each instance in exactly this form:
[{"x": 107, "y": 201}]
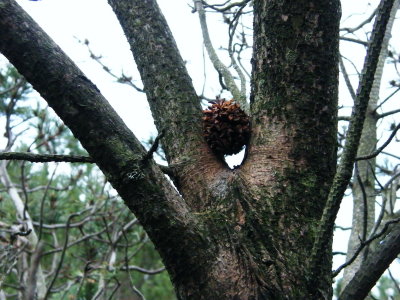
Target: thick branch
[
  {"x": 344, "y": 173},
  {"x": 103, "y": 134},
  {"x": 372, "y": 269},
  {"x": 172, "y": 98}
]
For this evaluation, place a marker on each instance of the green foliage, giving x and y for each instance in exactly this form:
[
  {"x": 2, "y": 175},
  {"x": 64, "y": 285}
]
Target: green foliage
[
  {"x": 53, "y": 193},
  {"x": 387, "y": 288}
]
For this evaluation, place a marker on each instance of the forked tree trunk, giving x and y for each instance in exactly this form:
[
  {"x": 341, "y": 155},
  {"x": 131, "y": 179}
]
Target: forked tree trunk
[
  {"x": 229, "y": 234},
  {"x": 259, "y": 220}
]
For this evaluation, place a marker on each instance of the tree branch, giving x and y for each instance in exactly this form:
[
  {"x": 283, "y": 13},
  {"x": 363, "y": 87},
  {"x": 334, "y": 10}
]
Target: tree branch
[
  {"x": 238, "y": 96},
  {"x": 362, "y": 245},
  {"x": 372, "y": 269},
  {"x": 388, "y": 113},
  {"x": 154, "y": 146},
  {"x": 33, "y": 157},
  {"x": 346, "y": 78},
  {"x": 345, "y": 169},
  {"x": 114, "y": 148},
  {"x": 343, "y": 38},
  {"x": 381, "y": 148},
  {"x": 42, "y": 158},
  {"x": 173, "y": 101},
  {"x": 362, "y": 24},
  {"x": 30, "y": 290}
]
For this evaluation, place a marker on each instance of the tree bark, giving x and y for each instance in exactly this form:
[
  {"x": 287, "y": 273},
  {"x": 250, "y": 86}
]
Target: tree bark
[
  {"x": 228, "y": 234},
  {"x": 114, "y": 148}
]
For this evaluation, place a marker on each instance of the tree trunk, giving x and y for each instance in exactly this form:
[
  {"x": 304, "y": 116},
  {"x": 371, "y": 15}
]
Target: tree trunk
[
  {"x": 227, "y": 234},
  {"x": 261, "y": 217}
]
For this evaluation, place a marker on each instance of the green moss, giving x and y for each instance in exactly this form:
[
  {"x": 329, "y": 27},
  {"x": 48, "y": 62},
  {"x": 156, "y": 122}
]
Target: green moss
[{"x": 297, "y": 21}]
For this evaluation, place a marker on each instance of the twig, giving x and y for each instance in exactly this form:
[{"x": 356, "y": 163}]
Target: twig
[
  {"x": 64, "y": 250},
  {"x": 361, "y": 25},
  {"x": 353, "y": 40},
  {"x": 30, "y": 290},
  {"x": 19, "y": 233},
  {"x": 120, "y": 79},
  {"x": 364, "y": 198},
  {"x": 115, "y": 288},
  {"x": 363, "y": 244},
  {"x": 226, "y": 8},
  {"x": 386, "y": 99},
  {"x": 218, "y": 65},
  {"x": 41, "y": 158},
  {"x": 132, "y": 286},
  {"x": 232, "y": 29},
  {"x": 143, "y": 270},
  {"x": 396, "y": 111},
  {"x": 42, "y": 203},
  {"x": 380, "y": 149},
  {"x": 153, "y": 148},
  {"x": 395, "y": 283},
  {"x": 346, "y": 78}
]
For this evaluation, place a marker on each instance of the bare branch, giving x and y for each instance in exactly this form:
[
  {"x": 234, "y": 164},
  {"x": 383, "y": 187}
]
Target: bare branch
[
  {"x": 60, "y": 263},
  {"x": 347, "y": 79},
  {"x": 388, "y": 113},
  {"x": 344, "y": 172},
  {"x": 343, "y": 38},
  {"x": 238, "y": 95},
  {"x": 216, "y": 7},
  {"x": 42, "y": 158},
  {"x": 121, "y": 79},
  {"x": 374, "y": 266},
  {"x": 153, "y": 147},
  {"x": 381, "y": 148},
  {"x": 386, "y": 99},
  {"x": 143, "y": 270},
  {"x": 363, "y": 244},
  {"x": 362, "y": 24},
  {"x": 30, "y": 289}
]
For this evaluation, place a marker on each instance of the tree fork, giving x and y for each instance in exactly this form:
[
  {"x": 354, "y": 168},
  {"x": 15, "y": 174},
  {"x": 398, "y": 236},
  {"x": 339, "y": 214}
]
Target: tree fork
[{"x": 114, "y": 148}]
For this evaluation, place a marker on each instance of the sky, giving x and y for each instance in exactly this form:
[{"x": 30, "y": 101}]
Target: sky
[{"x": 71, "y": 21}]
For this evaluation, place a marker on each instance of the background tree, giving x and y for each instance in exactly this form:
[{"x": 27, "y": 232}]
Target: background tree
[
  {"x": 81, "y": 242},
  {"x": 245, "y": 233}
]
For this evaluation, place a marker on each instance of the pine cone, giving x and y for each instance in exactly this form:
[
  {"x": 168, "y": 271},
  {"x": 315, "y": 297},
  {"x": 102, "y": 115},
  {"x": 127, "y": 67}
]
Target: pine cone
[{"x": 226, "y": 127}]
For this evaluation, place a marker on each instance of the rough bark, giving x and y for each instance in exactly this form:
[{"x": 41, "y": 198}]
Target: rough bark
[
  {"x": 172, "y": 99},
  {"x": 246, "y": 199},
  {"x": 294, "y": 102},
  {"x": 109, "y": 142},
  {"x": 228, "y": 234}
]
